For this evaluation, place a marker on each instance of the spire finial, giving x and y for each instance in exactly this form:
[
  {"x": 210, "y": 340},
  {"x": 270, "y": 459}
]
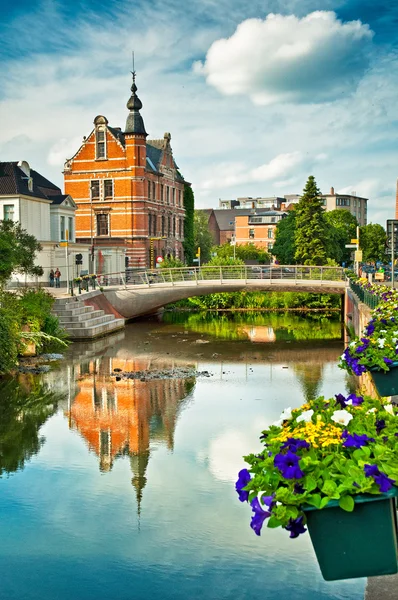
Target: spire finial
[{"x": 134, "y": 123}]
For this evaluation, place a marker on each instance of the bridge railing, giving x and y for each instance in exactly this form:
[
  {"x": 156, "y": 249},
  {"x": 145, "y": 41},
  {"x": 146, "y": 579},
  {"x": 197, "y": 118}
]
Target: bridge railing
[{"x": 197, "y": 275}]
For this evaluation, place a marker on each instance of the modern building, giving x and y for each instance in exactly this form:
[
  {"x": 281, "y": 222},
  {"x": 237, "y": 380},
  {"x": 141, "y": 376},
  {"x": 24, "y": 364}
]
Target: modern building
[
  {"x": 271, "y": 203},
  {"x": 354, "y": 204},
  {"x": 46, "y": 213},
  {"x": 129, "y": 193},
  {"x": 257, "y": 228}
]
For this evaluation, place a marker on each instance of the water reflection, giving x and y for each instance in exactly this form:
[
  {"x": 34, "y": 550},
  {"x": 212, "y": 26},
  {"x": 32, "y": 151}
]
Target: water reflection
[
  {"x": 122, "y": 417},
  {"x": 260, "y": 327},
  {"x": 25, "y": 405}
]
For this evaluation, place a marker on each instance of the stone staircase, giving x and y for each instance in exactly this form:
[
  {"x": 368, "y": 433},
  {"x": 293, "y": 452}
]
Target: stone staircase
[{"x": 84, "y": 322}]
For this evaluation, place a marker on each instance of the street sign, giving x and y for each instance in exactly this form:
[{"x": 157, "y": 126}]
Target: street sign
[
  {"x": 354, "y": 241},
  {"x": 358, "y": 256},
  {"x": 350, "y": 245},
  {"x": 63, "y": 244},
  {"x": 159, "y": 259}
]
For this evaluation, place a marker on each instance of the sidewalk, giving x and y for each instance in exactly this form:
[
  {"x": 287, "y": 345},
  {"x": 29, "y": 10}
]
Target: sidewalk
[{"x": 382, "y": 588}]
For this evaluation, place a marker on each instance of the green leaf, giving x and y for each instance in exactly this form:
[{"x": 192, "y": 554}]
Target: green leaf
[
  {"x": 347, "y": 503},
  {"x": 315, "y": 500},
  {"x": 324, "y": 502},
  {"x": 329, "y": 487},
  {"x": 310, "y": 483},
  {"x": 273, "y": 522}
]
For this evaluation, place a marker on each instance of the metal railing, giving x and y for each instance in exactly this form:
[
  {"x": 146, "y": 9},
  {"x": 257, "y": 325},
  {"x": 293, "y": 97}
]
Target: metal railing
[
  {"x": 198, "y": 275},
  {"x": 368, "y": 298}
]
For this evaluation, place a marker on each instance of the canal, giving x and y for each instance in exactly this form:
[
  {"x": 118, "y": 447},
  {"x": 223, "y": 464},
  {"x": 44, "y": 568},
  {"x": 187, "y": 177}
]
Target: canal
[{"x": 123, "y": 488}]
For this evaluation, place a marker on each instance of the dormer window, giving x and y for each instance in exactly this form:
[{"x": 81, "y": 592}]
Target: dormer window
[
  {"x": 100, "y": 143},
  {"x": 30, "y": 184}
]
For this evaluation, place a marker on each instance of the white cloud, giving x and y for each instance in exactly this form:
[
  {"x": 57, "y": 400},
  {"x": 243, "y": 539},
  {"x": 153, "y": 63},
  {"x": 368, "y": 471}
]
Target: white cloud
[
  {"x": 288, "y": 59},
  {"x": 283, "y": 165}
]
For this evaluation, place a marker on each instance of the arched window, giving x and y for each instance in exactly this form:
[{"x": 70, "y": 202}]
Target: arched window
[{"x": 100, "y": 123}]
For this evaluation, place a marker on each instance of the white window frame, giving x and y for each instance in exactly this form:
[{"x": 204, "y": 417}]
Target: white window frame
[{"x": 101, "y": 129}]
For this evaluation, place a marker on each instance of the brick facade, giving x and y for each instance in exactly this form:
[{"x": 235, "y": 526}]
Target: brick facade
[{"x": 128, "y": 191}]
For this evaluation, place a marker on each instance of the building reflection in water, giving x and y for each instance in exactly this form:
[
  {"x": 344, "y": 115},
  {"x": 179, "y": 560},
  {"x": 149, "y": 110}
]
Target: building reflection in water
[{"x": 122, "y": 418}]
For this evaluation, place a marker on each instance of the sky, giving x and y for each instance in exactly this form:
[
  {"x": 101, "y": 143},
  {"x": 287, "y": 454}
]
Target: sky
[{"x": 257, "y": 96}]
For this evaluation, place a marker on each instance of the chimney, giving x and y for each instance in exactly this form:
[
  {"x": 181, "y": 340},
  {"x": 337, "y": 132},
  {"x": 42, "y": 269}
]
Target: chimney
[{"x": 332, "y": 191}]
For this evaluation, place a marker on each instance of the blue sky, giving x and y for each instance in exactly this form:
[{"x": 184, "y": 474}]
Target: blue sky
[{"x": 256, "y": 95}]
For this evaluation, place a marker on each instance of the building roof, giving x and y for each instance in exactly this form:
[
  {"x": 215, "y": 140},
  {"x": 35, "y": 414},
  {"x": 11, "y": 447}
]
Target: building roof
[
  {"x": 225, "y": 217},
  {"x": 15, "y": 181}
]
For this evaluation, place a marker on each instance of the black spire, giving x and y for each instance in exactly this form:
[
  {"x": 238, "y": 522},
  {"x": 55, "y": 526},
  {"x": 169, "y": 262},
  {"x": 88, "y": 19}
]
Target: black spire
[{"x": 134, "y": 123}]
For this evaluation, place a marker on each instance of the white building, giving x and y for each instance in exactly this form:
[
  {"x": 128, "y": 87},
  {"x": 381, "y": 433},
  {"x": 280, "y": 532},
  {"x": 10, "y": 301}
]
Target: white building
[{"x": 44, "y": 212}]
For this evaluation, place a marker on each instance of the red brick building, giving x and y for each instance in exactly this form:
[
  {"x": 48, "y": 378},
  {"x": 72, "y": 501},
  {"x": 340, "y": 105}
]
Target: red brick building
[{"x": 129, "y": 193}]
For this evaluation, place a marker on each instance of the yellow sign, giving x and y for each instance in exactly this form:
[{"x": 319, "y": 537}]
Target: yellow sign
[
  {"x": 63, "y": 244},
  {"x": 198, "y": 253},
  {"x": 358, "y": 256},
  {"x": 354, "y": 241}
]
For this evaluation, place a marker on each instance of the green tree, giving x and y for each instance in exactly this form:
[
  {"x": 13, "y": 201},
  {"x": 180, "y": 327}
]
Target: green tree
[
  {"x": 372, "y": 242},
  {"x": 17, "y": 251},
  {"x": 243, "y": 251},
  {"x": 284, "y": 247},
  {"x": 312, "y": 238},
  {"x": 202, "y": 236},
  {"x": 171, "y": 263},
  {"x": 189, "y": 239},
  {"x": 343, "y": 228}
]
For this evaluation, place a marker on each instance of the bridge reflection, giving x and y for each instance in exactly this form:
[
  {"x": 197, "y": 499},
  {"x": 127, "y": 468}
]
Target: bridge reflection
[{"x": 124, "y": 418}]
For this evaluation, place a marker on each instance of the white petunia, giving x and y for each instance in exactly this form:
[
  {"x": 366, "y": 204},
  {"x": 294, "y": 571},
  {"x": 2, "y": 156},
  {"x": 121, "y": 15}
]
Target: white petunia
[
  {"x": 278, "y": 423},
  {"x": 371, "y": 410},
  {"x": 305, "y": 416},
  {"x": 286, "y": 414},
  {"x": 389, "y": 408},
  {"x": 342, "y": 417},
  {"x": 342, "y": 357},
  {"x": 352, "y": 344},
  {"x": 381, "y": 342}
]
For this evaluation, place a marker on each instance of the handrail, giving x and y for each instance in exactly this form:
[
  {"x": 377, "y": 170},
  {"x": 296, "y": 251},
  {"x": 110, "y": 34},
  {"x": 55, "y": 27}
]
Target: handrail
[{"x": 223, "y": 274}]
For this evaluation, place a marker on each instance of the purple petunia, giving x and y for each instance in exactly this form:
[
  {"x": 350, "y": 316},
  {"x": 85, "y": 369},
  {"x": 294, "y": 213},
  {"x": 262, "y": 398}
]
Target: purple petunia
[
  {"x": 340, "y": 399},
  {"x": 354, "y": 440},
  {"x": 388, "y": 361},
  {"x": 380, "y": 424},
  {"x": 363, "y": 347},
  {"x": 370, "y": 328},
  {"x": 243, "y": 479},
  {"x": 356, "y": 400},
  {"x": 384, "y": 482},
  {"x": 294, "y": 444},
  {"x": 296, "y": 527},
  {"x": 298, "y": 488},
  {"x": 259, "y": 514},
  {"x": 288, "y": 465}
]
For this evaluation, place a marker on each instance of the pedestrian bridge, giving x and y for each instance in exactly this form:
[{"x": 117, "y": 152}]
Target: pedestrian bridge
[{"x": 137, "y": 292}]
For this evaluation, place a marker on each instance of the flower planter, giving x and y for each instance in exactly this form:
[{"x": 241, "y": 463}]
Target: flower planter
[
  {"x": 362, "y": 543},
  {"x": 386, "y": 382}
]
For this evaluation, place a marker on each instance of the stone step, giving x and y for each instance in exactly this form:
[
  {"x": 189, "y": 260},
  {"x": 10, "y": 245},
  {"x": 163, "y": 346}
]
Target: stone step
[
  {"x": 80, "y": 317},
  {"x": 79, "y": 298},
  {"x": 74, "y": 311},
  {"x": 87, "y": 333},
  {"x": 88, "y": 322}
]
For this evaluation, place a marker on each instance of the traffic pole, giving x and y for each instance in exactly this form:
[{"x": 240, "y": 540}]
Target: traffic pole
[{"x": 67, "y": 260}]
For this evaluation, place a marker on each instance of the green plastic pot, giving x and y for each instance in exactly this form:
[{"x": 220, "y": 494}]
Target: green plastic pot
[
  {"x": 362, "y": 543},
  {"x": 386, "y": 382}
]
